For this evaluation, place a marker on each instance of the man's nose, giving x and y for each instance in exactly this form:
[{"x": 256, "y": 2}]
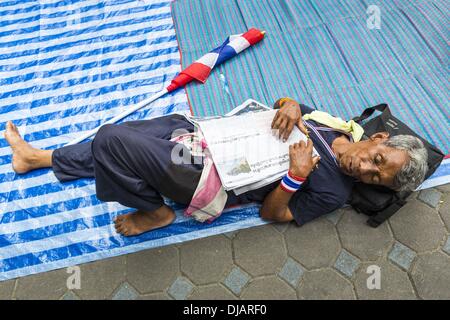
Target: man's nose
[{"x": 366, "y": 167}]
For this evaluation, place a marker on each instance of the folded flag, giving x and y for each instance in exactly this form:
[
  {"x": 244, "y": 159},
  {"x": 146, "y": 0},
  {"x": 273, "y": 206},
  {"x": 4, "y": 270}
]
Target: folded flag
[{"x": 200, "y": 69}]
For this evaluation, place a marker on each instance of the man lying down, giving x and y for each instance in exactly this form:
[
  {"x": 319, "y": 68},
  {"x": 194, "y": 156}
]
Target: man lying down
[{"x": 132, "y": 165}]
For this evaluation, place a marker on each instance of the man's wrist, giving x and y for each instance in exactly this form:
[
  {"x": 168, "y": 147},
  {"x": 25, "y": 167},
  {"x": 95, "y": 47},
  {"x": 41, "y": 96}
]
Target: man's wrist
[
  {"x": 286, "y": 101},
  {"x": 301, "y": 173},
  {"x": 291, "y": 182},
  {"x": 290, "y": 103}
]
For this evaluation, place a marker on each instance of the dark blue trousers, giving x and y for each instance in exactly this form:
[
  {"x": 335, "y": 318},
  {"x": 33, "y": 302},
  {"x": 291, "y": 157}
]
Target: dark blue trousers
[{"x": 131, "y": 163}]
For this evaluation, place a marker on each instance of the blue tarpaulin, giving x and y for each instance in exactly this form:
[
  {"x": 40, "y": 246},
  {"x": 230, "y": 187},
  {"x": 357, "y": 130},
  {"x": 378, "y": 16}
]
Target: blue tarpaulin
[{"x": 66, "y": 67}]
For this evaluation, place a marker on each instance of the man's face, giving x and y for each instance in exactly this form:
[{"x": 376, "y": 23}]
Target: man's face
[{"x": 370, "y": 161}]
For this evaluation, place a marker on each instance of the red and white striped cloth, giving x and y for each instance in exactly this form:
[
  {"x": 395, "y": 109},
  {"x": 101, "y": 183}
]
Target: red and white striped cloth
[
  {"x": 210, "y": 197},
  {"x": 200, "y": 69}
]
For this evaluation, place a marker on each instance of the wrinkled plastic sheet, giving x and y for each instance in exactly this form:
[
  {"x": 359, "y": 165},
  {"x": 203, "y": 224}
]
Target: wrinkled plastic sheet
[{"x": 66, "y": 67}]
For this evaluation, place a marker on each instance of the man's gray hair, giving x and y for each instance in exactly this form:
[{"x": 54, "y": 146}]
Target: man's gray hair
[{"x": 413, "y": 172}]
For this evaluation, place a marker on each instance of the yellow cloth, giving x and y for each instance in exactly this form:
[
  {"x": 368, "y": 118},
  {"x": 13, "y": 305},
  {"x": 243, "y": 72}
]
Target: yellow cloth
[
  {"x": 336, "y": 123},
  {"x": 328, "y": 120}
]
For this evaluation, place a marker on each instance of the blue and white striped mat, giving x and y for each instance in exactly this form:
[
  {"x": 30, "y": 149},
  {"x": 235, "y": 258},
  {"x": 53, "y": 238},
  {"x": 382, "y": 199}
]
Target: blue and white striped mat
[{"x": 66, "y": 66}]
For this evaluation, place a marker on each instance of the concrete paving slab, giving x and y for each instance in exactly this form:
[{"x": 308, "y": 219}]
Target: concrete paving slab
[
  {"x": 211, "y": 292},
  {"x": 268, "y": 288},
  {"x": 313, "y": 251},
  {"x": 325, "y": 284},
  {"x": 153, "y": 270},
  {"x": 206, "y": 260},
  {"x": 431, "y": 275},
  {"x": 361, "y": 240},
  {"x": 394, "y": 283},
  {"x": 259, "y": 251},
  {"x": 418, "y": 226}
]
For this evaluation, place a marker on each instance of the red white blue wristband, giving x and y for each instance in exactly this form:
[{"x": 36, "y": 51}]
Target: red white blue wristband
[{"x": 291, "y": 183}]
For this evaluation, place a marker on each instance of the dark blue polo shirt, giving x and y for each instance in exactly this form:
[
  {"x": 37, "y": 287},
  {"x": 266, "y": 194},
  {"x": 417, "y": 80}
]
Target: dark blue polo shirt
[
  {"x": 325, "y": 190},
  {"x": 327, "y": 187}
]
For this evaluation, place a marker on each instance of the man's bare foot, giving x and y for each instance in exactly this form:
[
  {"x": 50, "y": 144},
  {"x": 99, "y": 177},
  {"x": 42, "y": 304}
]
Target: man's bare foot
[
  {"x": 135, "y": 223},
  {"x": 25, "y": 157}
]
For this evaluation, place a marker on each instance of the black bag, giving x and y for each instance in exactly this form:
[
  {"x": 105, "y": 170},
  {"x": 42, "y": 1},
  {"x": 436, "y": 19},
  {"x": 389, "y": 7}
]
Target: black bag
[{"x": 380, "y": 202}]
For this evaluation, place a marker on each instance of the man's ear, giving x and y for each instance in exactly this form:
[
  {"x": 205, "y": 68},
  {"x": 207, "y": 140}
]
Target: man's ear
[{"x": 380, "y": 135}]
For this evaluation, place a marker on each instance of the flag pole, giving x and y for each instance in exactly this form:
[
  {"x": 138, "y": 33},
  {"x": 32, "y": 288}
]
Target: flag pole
[{"x": 120, "y": 116}]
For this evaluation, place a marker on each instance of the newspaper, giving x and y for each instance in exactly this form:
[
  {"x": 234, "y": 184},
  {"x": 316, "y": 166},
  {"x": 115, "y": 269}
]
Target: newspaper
[{"x": 246, "y": 151}]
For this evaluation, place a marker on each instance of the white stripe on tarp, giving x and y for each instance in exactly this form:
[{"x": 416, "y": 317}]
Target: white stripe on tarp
[
  {"x": 118, "y": 94},
  {"x": 87, "y": 36},
  {"x": 72, "y": 18},
  {"x": 437, "y": 178},
  {"x": 158, "y": 106},
  {"x": 117, "y": 59},
  {"x": 90, "y": 234},
  {"x": 61, "y": 217},
  {"x": 431, "y": 183},
  {"x": 87, "y": 47},
  {"x": 40, "y": 111},
  {"x": 76, "y": 27},
  {"x": 99, "y": 70},
  {"x": 60, "y": 196},
  {"x": 65, "y": 7}
]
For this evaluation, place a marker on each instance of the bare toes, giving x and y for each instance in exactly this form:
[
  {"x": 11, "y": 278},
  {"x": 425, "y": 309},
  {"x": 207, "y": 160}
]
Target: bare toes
[
  {"x": 118, "y": 221},
  {"x": 124, "y": 231},
  {"x": 12, "y": 127},
  {"x": 118, "y": 226}
]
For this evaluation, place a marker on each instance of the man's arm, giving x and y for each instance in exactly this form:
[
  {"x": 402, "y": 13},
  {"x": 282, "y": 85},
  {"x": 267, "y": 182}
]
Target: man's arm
[
  {"x": 275, "y": 206},
  {"x": 301, "y": 162}
]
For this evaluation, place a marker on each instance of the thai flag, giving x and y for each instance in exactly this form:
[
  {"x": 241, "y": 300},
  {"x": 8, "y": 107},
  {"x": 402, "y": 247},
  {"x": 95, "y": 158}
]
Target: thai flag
[{"x": 200, "y": 69}]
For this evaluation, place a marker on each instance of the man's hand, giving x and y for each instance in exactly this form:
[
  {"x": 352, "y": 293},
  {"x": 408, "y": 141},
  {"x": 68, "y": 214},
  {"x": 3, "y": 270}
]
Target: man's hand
[
  {"x": 287, "y": 117},
  {"x": 276, "y": 204},
  {"x": 301, "y": 161}
]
